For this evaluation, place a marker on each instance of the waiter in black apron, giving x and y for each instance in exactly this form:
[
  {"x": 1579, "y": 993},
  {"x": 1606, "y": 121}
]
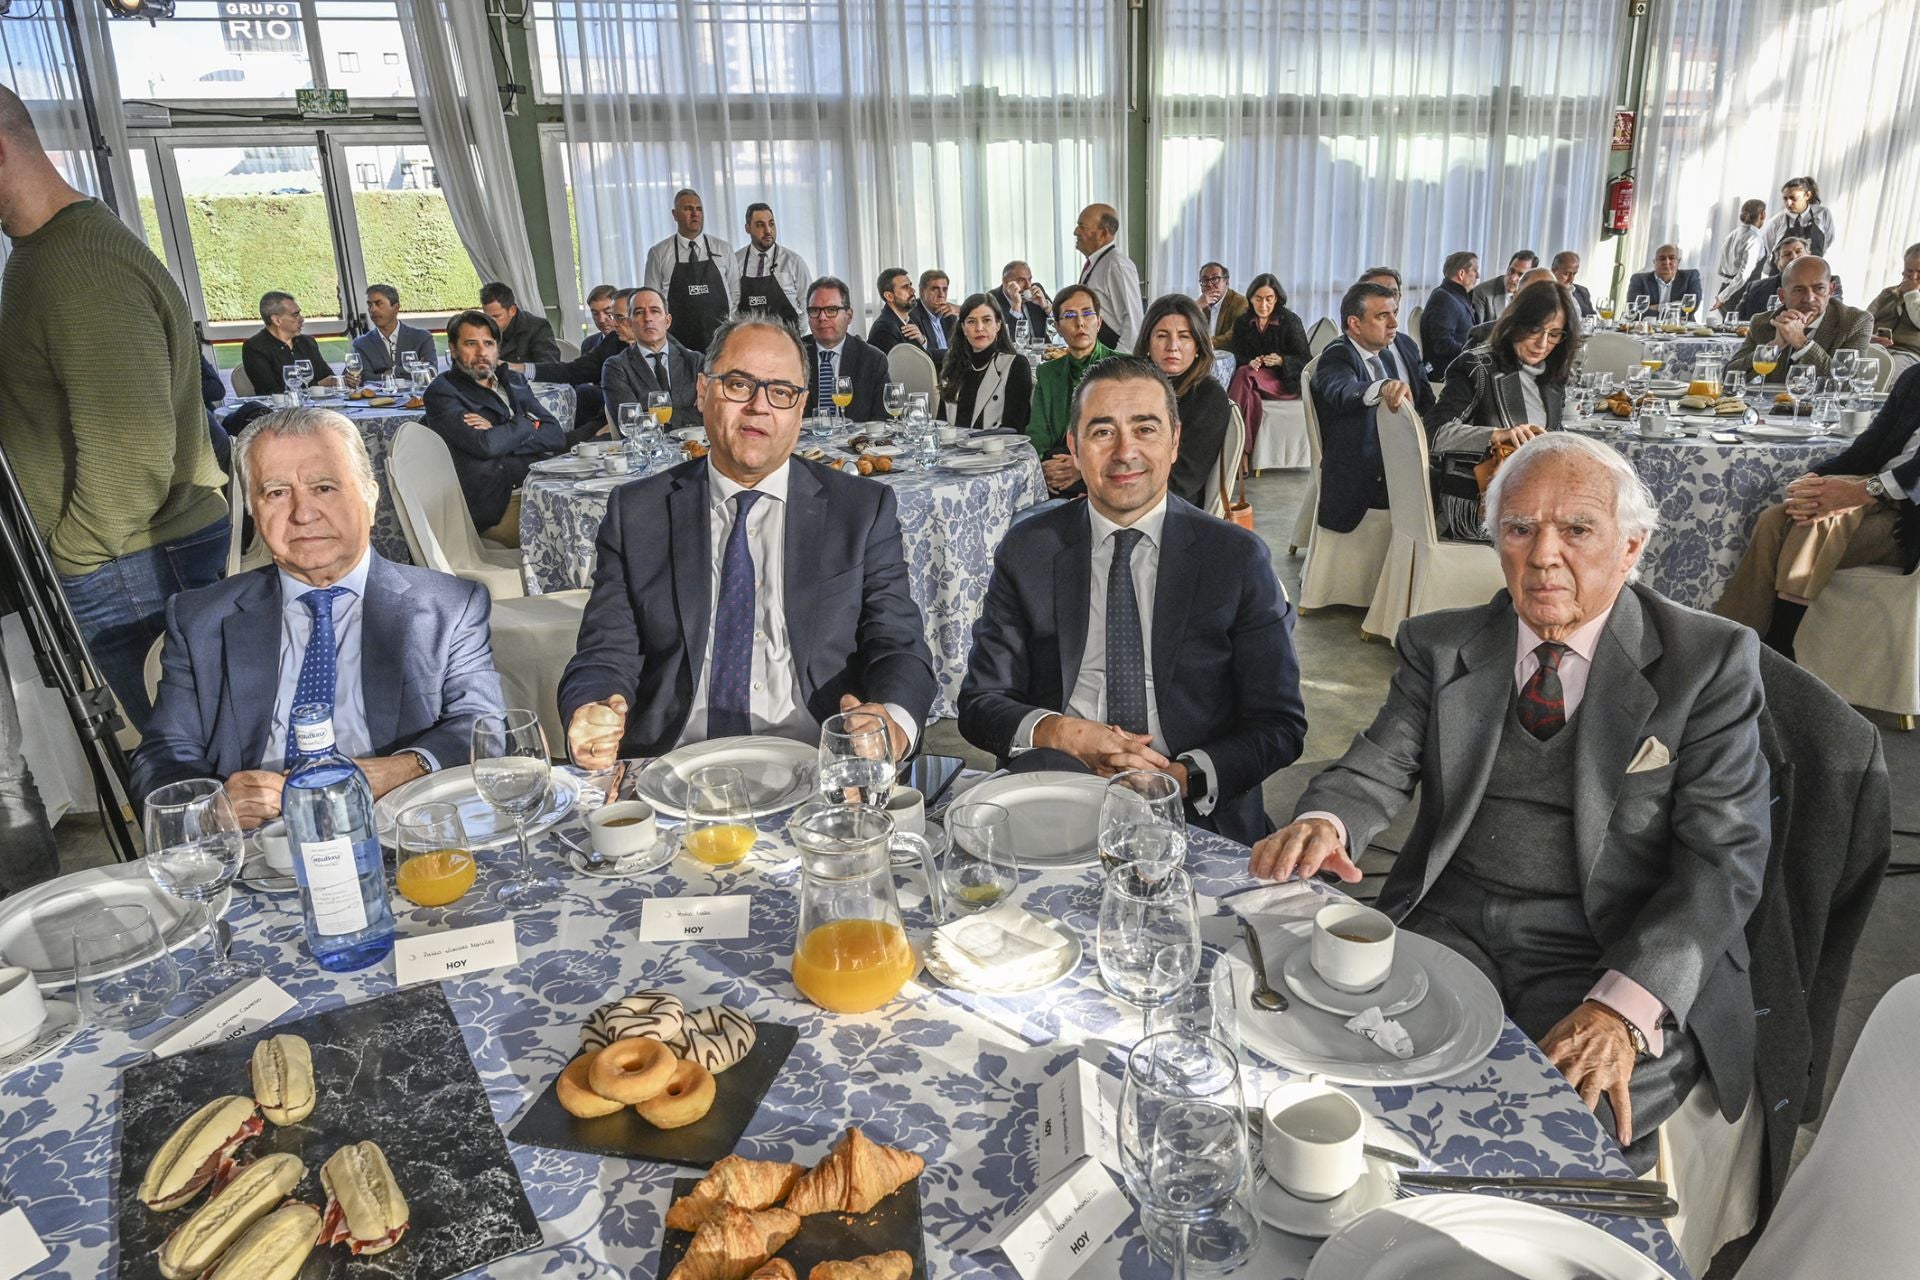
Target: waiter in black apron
[
  {"x": 762, "y": 263},
  {"x": 764, "y": 293},
  {"x": 696, "y": 295}
]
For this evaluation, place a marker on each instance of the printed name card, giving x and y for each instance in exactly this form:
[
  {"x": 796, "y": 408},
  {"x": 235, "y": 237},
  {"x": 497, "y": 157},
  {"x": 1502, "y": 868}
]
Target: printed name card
[
  {"x": 1078, "y": 1117},
  {"x": 235, "y": 1013},
  {"x": 1065, "y": 1224},
  {"x": 20, "y": 1247},
  {"x": 695, "y": 919},
  {"x": 455, "y": 953}
]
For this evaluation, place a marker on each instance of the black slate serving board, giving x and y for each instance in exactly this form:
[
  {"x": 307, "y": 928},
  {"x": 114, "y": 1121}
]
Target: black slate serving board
[
  {"x": 736, "y": 1096},
  {"x": 894, "y": 1223},
  {"x": 393, "y": 1070}
]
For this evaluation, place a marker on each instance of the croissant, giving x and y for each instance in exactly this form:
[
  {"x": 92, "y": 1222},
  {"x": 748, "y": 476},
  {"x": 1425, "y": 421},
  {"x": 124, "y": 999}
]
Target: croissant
[
  {"x": 743, "y": 1183},
  {"x": 734, "y": 1243},
  {"x": 856, "y": 1175},
  {"x": 894, "y": 1265},
  {"x": 777, "y": 1269}
]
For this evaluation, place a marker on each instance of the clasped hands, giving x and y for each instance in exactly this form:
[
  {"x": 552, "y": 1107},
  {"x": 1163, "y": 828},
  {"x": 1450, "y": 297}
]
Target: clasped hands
[
  {"x": 1106, "y": 749},
  {"x": 255, "y": 793},
  {"x": 1061, "y": 471},
  {"x": 594, "y": 733},
  {"x": 1814, "y": 498}
]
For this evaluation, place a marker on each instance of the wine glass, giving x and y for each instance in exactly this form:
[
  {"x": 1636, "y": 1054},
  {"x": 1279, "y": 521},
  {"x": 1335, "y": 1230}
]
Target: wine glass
[
  {"x": 351, "y": 364},
  {"x": 1865, "y": 378},
  {"x": 893, "y": 398},
  {"x": 1143, "y": 911},
  {"x": 194, "y": 850},
  {"x": 1195, "y": 1210},
  {"x": 1205, "y": 1005},
  {"x": 981, "y": 869},
  {"x": 1842, "y": 363},
  {"x": 842, "y": 394},
  {"x": 1800, "y": 383},
  {"x": 1163, "y": 1071},
  {"x": 1688, "y": 302},
  {"x": 512, "y": 772},
  {"x": 719, "y": 829},
  {"x": 660, "y": 408},
  {"x": 290, "y": 378},
  {"x": 856, "y": 759},
  {"x": 1766, "y": 358},
  {"x": 434, "y": 864}
]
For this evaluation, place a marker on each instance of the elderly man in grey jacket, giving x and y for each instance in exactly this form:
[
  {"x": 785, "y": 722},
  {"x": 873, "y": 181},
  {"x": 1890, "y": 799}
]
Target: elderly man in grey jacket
[{"x": 1596, "y": 857}]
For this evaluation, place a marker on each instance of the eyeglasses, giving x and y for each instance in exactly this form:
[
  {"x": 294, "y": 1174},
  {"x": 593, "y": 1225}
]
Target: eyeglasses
[
  {"x": 1213, "y": 279},
  {"x": 826, "y": 311},
  {"x": 1541, "y": 331},
  {"x": 1088, "y": 314},
  {"x": 741, "y": 389}
]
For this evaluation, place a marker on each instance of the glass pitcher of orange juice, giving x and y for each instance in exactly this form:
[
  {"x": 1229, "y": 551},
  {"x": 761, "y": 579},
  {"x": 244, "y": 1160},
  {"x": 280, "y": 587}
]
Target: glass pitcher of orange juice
[
  {"x": 1705, "y": 379},
  {"x": 851, "y": 953}
]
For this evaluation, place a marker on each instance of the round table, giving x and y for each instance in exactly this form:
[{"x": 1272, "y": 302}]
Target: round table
[
  {"x": 950, "y": 524},
  {"x": 377, "y": 428},
  {"x": 953, "y": 1078}
]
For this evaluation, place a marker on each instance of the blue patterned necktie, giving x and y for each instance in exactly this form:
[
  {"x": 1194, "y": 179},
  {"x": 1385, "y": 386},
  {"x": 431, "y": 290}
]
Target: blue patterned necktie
[
  {"x": 730, "y": 673},
  {"x": 317, "y": 671},
  {"x": 823, "y": 385},
  {"x": 1126, "y": 650}
]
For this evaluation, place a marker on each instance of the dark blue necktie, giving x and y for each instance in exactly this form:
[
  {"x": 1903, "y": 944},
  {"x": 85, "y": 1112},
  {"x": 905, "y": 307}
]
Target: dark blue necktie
[
  {"x": 730, "y": 674},
  {"x": 317, "y": 671},
  {"x": 1126, "y": 650},
  {"x": 823, "y": 383}
]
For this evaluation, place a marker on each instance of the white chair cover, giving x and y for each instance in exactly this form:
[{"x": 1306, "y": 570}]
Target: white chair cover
[
  {"x": 1849, "y": 1208},
  {"x": 1862, "y": 636},
  {"x": 1412, "y": 327},
  {"x": 1321, "y": 335},
  {"x": 1231, "y": 448},
  {"x": 150, "y": 672},
  {"x": 533, "y": 637},
  {"x": 1282, "y": 445},
  {"x": 433, "y": 514},
  {"x": 1422, "y": 573},
  {"x": 242, "y": 384},
  {"x": 1309, "y": 504},
  {"x": 913, "y": 368},
  {"x": 254, "y": 554},
  {"x": 1714, "y": 1170},
  {"x": 1341, "y": 568},
  {"x": 1884, "y": 358},
  {"x": 1615, "y": 353},
  {"x": 568, "y": 350}
]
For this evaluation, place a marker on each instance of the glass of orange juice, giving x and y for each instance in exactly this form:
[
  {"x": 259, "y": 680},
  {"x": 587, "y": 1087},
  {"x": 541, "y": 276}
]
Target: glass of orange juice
[
  {"x": 850, "y": 952},
  {"x": 434, "y": 866},
  {"x": 719, "y": 828}
]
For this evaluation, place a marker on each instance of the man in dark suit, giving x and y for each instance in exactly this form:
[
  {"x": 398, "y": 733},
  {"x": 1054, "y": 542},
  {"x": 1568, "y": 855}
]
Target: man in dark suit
[
  {"x": 525, "y": 338},
  {"x": 655, "y": 362},
  {"x": 1566, "y": 265},
  {"x": 383, "y": 347},
  {"x": 749, "y": 591},
  {"x": 492, "y": 423},
  {"x": 1449, "y": 317},
  {"x": 1018, "y": 294},
  {"x": 1491, "y": 298},
  {"x": 936, "y": 318},
  {"x": 833, "y": 353},
  {"x": 1666, "y": 282},
  {"x": 408, "y": 650},
  {"x": 1856, "y": 508},
  {"x": 1373, "y": 364},
  {"x": 1593, "y": 825},
  {"x": 894, "y": 325},
  {"x": 1134, "y": 631},
  {"x": 583, "y": 372}
]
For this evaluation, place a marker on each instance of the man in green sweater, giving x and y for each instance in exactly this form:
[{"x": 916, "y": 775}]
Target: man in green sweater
[
  {"x": 1076, "y": 313},
  {"x": 112, "y": 452}
]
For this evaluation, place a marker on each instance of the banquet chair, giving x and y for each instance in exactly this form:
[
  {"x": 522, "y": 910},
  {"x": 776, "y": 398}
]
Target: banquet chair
[
  {"x": 533, "y": 639},
  {"x": 433, "y": 515},
  {"x": 1412, "y": 328},
  {"x": 150, "y": 671},
  {"x": 1884, "y": 359},
  {"x": 1862, "y": 636},
  {"x": 253, "y": 554},
  {"x": 1852, "y": 1202},
  {"x": 242, "y": 384},
  {"x": 1282, "y": 443},
  {"x": 1615, "y": 353},
  {"x": 1422, "y": 572},
  {"x": 914, "y": 369},
  {"x": 1231, "y": 448},
  {"x": 1321, "y": 335},
  {"x": 1340, "y": 568},
  {"x": 569, "y": 351},
  {"x": 1309, "y": 503}
]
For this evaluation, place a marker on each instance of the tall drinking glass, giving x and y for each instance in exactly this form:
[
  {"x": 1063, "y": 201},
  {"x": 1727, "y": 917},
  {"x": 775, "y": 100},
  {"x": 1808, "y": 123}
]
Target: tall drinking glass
[
  {"x": 194, "y": 850},
  {"x": 511, "y": 770},
  {"x": 1197, "y": 1213},
  {"x": 1143, "y": 912},
  {"x": 856, "y": 759},
  {"x": 435, "y": 864},
  {"x": 123, "y": 976},
  {"x": 1137, "y": 798}
]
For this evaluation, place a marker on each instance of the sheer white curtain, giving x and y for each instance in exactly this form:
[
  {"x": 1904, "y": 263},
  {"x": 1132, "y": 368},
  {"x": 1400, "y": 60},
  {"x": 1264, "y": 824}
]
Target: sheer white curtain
[
  {"x": 42, "y": 66},
  {"x": 909, "y": 133},
  {"x": 1315, "y": 138},
  {"x": 1745, "y": 94},
  {"x": 453, "y": 79}
]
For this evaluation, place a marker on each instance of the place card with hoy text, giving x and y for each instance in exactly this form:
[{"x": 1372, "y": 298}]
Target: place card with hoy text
[
  {"x": 1077, "y": 1116},
  {"x": 20, "y": 1246},
  {"x": 239, "y": 1011},
  {"x": 1064, "y": 1224},
  {"x": 695, "y": 919},
  {"x": 455, "y": 953}
]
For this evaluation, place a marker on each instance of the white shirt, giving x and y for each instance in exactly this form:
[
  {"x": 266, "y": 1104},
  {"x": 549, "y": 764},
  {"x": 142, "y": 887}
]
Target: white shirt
[
  {"x": 1743, "y": 247},
  {"x": 1531, "y": 401},
  {"x": 349, "y": 700},
  {"x": 662, "y": 258},
  {"x": 776, "y": 706},
  {"x": 788, "y": 269},
  {"x": 1115, "y": 281}
]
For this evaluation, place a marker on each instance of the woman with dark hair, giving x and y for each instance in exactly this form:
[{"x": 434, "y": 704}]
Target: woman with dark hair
[
  {"x": 1271, "y": 345},
  {"x": 985, "y": 384},
  {"x": 1804, "y": 216},
  {"x": 1173, "y": 338},
  {"x": 1504, "y": 392}
]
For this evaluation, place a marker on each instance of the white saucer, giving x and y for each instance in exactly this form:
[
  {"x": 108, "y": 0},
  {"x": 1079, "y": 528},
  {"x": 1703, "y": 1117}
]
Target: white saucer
[
  {"x": 652, "y": 859},
  {"x": 63, "y": 1020},
  {"x": 1318, "y": 1219},
  {"x": 684, "y": 434},
  {"x": 1404, "y": 988},
  {"x": 1067, "y": 961}
]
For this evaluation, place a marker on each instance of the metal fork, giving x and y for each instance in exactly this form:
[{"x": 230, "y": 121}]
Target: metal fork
[{"x": 1663, "y": 1207}]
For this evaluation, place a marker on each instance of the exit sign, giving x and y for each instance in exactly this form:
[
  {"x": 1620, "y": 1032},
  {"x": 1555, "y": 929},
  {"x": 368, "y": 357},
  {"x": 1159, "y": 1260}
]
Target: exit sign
[{"x": 321, "y": 102}]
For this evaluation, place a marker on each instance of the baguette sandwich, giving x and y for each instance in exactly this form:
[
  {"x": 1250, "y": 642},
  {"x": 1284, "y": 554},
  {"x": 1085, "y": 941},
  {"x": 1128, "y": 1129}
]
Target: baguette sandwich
[
  {"x": 199, "y": 1153},
  {"x": 365, "y": 1209},
  {"x": 274, "y": 1248},
  {"x": 255, "y": 1192},
  {"x": 282, "y": 1071}
]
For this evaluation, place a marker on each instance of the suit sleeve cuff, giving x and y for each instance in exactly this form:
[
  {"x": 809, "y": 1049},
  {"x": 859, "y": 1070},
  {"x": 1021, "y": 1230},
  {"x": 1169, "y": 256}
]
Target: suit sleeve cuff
[
  {"x": 426, "y": 759},
  {"x": 1634, "y": 1003},
  {"x": 1023, "y": 736},
  {"x": 1203, "y": 804},
  {"x": 1340, "y": 828},
  {"x": 899, "y": 716}
]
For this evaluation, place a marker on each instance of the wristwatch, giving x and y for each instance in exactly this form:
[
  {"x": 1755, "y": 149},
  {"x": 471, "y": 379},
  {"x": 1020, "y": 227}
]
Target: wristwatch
[
  {"x": 1639, "y": 1038},
  {"x": 1877, "y": 490},
  {"x": 1198, "y": 783}
]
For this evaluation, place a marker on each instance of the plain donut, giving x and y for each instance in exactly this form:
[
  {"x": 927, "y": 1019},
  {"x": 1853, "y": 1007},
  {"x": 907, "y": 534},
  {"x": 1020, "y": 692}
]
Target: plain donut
[
  {"x": 687, "y": 1098},
  {"x": 631, "y": 1071},
  {"x": 577, "y": 1096}
]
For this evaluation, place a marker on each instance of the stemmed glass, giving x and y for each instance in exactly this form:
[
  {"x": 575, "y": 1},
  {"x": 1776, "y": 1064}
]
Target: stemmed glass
[
  {"x": 295, "y": 381},
  {"x": 1842, "y": 364},
  {"x": 1137, "y": 798},
  {"x": 856, "y": 759},
  {"x": 1800, "y": 384},
  {"x": 1144, "y": 911},
  {"x": 1866, "y": 377},
  {"x": 842, "y": 395},
  {"x": 511, "y": 770},
  {"x": 1688, "y": 302},
  {"x": 981, "y": 869},
  {"x": 660, "y": 409},
  {"x": 1206, "y": 1006},
  {"x": 632, "y": 423},
  {"x": 194, "y": 850},
  {"x": 1167, "y": 1074},
  {"x": 1198, "y": 1173},
  {"x": 893, "y": 398},
  {"x": 350, "y": 365}
]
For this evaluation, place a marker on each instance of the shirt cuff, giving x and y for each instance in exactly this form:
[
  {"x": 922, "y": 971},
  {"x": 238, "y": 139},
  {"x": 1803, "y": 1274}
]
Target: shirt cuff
[
  {"x": 1892, "y": 484},
  {"x": 1801, "y": 354},
  {"x": 427, "y": 761},
  {"x": 1634, "y": 1003},
  {"x": 1023, "y": 736},
  {"x": 1203, "y": 804},
  {"x": 1340, "y": 828},
  {"x": 1372, "y": 395}
]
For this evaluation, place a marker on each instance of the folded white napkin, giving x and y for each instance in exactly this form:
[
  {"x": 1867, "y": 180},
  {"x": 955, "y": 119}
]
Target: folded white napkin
[
  {"x": 1288, "y": 900},
  {"x": 1382, "y": 1030},
  {"x": 1000, "y": 947}
]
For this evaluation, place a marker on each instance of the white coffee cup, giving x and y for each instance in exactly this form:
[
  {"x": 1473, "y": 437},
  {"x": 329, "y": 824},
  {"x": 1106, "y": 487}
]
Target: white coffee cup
[
  {"x": 622, "y": 829},
  {"x": 949, "y": 435},
  {"x": 1352, "y": 947},
  {"x": 993, "y": 444},
  {"x": 1855, "y": 421},
  {"x": 22, "y": 1012},
  {"x": 590, "y": 448},
  {"x": 1313, "y": 1139},
  {"x": 616, "y": 463},
  {"x": 275, "y": 850},
  {"x": 908, "y": 809}
]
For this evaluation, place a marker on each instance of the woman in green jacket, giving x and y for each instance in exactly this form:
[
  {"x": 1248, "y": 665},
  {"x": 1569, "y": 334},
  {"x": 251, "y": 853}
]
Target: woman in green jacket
[{"x": 1076, "y": 313}]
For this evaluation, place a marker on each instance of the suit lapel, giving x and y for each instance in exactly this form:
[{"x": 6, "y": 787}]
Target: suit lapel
[
  {"x": 1470, "y": 711},
  {"x": 250, "y": 639},
  {"x": 687, "y": 534},
  {"x": 383, "y": 647},
  {"x": 1554, "y": 398},
  {"x": 1173, "y": 588},
  {"x": 1072, "y": 571},
  {"x": 806, "y": 529},
  {"x": 1604, "y": 745},
  {"x": 990, "y": 383}
]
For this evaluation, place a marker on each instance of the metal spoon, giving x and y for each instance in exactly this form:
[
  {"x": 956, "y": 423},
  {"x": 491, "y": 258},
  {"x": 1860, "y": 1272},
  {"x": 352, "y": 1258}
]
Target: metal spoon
[{"x": 1263, "y": 993}]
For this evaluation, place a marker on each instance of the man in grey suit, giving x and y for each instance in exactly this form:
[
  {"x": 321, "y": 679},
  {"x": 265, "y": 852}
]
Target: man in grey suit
[
  {"x": 1667, "y": 282},
  {"x": 1596, "y": 857},
  {"x": 655, "y": 362},
  {"x": 1566, "y": 265},
  {"x": 1491, "y": 298},
  {"x": 410, "y": 648}
]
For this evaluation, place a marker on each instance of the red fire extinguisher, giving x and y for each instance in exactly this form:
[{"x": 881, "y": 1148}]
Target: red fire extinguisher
[{"x": 1620, "y": 204}]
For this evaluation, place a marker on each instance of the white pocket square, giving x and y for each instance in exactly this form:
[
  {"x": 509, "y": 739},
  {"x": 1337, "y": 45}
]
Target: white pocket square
[{"x": 1651, "y": 755}]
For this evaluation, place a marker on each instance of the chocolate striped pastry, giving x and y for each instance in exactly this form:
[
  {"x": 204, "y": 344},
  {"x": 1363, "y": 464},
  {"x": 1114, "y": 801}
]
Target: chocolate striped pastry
[
  {"x": 716, "y": 1037},
  {"x": 654, "y": 1014}
]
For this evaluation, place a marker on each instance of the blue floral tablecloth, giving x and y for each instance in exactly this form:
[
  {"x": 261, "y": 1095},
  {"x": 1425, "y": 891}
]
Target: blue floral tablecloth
[
  {"x": 952, "y": 1078},
  {"x": 376, "y": 429},
  {"x": 950, "y": 523}
]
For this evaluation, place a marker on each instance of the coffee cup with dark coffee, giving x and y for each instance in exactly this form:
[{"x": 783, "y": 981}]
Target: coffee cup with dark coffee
[
  {"x": 1352, "y": 947},
  {"x": 622, "y": 829}
]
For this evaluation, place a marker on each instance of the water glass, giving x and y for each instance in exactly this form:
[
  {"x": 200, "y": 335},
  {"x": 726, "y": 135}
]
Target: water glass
[
  {"x": 1137, "y": 798},
  {"x": 980, "y": 868},
  {"x": 1144, "y": 911},
  {"x": 1197, "y": 1211},
  {"x": 1800, "y": 382},
  {"x": 511, "y": 770},
  {"x": 1826, "y": 414},
  {"x": 719, "y": 829},
  {"x": 1205, "y": 1003},
  {"x": 123, "y": 976},
  {"x": 1162, "y": 1072},
  {"x": 350, "y": 363},
  {"x": 856, "y": 759},
  {"x": 1841, "y": 364},
  {"x": 194, "y": 850}
]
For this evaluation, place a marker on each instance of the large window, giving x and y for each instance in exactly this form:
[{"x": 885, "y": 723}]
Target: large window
[
  {"x": 405, "y": 233},
  {"x": 263, "y": 50}
]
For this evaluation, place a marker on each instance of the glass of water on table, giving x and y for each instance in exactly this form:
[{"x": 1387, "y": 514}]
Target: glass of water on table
[
  {"x": 856, "y": 759},
  {"x": 194, "y": 851},
  {"x": 511, "y": 771}
]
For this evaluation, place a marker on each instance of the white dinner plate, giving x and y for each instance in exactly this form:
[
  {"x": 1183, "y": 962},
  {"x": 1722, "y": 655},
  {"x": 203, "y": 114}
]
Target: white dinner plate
[
  {"x": 566, "y": 467},
  {"x": 485, "y": 827},
  {"x": 1469, "y": 1237},
  {"x": 780, "y": 773},
  {"x": 684, "y": 434},
  {"x": 1065, "y": 962},
  {"x": 1453, "y": 1029},
  {"x": 1404, "y": 988},
  {"x": 36, "y": 925},
  {"x": 979, "y": 461},
  {"x": 885, "y": 450},
  {"x": 1777, "y": 431},
  {"x": 1666, "y": 386},
  {"x": 1055, "y": 814},
  {"x": 602, "y": 484}
]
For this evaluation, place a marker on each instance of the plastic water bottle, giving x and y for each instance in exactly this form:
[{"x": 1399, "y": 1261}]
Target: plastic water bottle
[{"x": 328, "y": 808}]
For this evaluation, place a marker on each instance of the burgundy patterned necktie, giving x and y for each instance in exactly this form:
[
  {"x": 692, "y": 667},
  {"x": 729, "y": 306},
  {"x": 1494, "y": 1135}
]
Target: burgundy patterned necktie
[{"x": 1543, "y": 706}]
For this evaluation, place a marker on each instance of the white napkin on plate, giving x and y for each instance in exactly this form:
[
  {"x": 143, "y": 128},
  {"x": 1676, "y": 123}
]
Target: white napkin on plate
[
  {"x": 1382, "y": 1030},
  {"x": 1287, "y": 900},
  {"x": 997, "y": 948}
]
